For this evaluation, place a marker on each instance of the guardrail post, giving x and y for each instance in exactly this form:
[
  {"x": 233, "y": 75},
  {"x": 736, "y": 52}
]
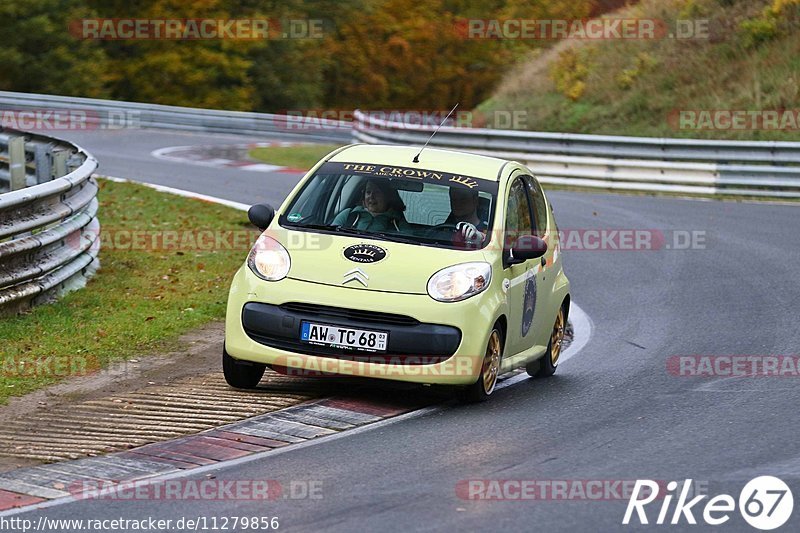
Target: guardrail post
[
  {"x": 60, "y": 163},
  {"x": 16, "y": 162},
  {"x": 73, "y": 162},
  {"x": 44, "y": 168}
]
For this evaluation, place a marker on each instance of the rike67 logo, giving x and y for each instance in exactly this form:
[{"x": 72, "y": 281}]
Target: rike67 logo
[{"x": 765, "y": 503}]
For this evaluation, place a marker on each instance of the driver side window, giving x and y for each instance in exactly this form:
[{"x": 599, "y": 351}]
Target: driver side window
[{"x": 518, "y": 213}]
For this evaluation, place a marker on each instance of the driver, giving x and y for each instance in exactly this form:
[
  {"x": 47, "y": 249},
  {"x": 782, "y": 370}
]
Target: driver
[
  {"x": 381, "y": 209},
  {"x": 464, "y": 215}
]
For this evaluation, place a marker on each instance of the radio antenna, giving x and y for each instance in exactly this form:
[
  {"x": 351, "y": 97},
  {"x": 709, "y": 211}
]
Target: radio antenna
[{"x": 416, "y": 157}]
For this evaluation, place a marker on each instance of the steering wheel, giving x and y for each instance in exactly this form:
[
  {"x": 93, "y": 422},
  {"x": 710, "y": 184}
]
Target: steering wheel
[{"x": 442, "y": 231}]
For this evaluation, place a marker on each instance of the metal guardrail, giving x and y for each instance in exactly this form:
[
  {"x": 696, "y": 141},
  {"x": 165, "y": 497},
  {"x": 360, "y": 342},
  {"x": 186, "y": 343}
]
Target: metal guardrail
[
  {"x": 741, "y": 168},
  {"x": 49, "y": 232},
  {"x": 109, "y": 114}
]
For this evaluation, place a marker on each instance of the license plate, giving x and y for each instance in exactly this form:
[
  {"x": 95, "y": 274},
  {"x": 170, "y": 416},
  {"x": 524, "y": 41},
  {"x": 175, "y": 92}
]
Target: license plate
[{"x": 328, "y": 335}]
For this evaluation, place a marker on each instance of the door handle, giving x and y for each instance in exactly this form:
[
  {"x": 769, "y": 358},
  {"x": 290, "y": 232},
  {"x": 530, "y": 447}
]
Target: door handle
[{"x": 543, "y": 262}]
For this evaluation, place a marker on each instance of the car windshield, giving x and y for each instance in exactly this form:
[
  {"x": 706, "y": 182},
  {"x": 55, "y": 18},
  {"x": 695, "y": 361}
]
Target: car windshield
[{"x": 397, "y": 204}]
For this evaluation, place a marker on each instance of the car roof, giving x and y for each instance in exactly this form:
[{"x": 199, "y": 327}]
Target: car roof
[{"x": 454, "y": 162}]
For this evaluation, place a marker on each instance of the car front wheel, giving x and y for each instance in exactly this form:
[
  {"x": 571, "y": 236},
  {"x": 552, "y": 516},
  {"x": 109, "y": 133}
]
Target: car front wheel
[
  {"x": 241, "y": 374},
  {"x": 490, "y": 368}
]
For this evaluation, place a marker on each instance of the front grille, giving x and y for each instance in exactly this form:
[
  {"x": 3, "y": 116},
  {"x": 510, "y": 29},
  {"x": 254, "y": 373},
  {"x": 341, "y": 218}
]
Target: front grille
[
  {"x": 410, "y": 341},
  {"x": 352, "y": 314},
  {"x": 389, "y": 357}
]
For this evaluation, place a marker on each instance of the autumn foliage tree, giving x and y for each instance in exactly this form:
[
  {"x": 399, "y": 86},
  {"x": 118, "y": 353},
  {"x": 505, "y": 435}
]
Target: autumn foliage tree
[
  {"x": 200, "y": 73},
  {"x": 37, "y": 53},
  {"x": 390, "y": 54}
]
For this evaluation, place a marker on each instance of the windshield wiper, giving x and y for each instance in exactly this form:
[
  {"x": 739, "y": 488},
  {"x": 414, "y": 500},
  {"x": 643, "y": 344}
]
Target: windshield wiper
[
  {"x": 395, "y": 237},
  {"x": 381, "y": 235},
  {"x": 331, "y": 227},
  {"x": 311, "y": 226}
]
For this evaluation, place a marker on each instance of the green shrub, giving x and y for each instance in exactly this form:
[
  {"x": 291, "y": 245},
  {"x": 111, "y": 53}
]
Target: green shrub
[
  {"x": 570, "y": 71},
  {"x": 754, "y": 32},
  {"x": 644, "y": 62}
]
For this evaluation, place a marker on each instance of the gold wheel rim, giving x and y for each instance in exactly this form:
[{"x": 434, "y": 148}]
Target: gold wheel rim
[
  {"x": 491, "y": 363},
  {"x": 557, "y": 337}
]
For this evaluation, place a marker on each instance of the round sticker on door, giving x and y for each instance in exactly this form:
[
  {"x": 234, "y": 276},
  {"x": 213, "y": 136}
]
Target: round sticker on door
[{"x": 364, "y": 253}]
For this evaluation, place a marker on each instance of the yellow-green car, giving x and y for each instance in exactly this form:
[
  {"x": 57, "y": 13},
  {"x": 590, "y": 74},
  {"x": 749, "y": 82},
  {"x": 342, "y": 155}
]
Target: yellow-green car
[{"x": 435, "y": 267}]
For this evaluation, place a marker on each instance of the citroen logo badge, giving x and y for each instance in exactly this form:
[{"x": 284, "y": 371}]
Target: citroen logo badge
[{"x": 356, "y": 275}]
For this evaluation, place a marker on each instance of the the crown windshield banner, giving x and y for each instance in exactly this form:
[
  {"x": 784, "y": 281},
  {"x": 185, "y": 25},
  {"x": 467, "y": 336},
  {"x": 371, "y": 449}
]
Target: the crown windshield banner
[{"x": 397, "y": 172}]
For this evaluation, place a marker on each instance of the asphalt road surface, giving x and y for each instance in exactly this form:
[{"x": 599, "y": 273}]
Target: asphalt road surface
[
  {"x": 613, "y": 412},
  {"x": 128, "y": 154}
]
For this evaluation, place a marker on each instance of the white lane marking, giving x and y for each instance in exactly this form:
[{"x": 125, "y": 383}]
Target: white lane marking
[
  {"x": 181, "y": 192},
  {"x": 173, "y": 154},
  {"x": 582, "y": 328},
  {"x": 163, "y": 153},
  {"x": 168, "y": 154},
  {"x": 215, "y": 162},
  {"x": 581, "y": 324},
  {"x": 259, "y": 167}
]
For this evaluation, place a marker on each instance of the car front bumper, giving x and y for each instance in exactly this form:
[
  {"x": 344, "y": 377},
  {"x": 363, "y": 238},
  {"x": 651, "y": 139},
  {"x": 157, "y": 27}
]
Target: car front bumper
[{"x": 429, "y": 341}]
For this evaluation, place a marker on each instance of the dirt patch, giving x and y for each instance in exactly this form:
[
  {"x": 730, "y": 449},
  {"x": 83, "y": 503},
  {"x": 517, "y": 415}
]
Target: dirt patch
[{"x": 200, "y": 352}]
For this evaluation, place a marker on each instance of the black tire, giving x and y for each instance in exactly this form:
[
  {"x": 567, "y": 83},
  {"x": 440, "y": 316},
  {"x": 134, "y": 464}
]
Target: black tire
[
  {"x": 546, "y": 365},
  {"x": 241, "y": 374},
  {"x": 490, "y": 369}
]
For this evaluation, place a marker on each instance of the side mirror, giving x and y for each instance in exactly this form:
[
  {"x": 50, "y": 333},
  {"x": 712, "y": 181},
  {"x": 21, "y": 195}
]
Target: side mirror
[
  {"x": 261, "y": 215},
  {"x": 527, "y": 247}
]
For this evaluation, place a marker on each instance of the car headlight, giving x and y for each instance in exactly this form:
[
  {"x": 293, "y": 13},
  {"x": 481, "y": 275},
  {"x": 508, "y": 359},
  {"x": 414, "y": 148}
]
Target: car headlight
[
  {"x": 459, "y": 282},
  {"x": 268, "y": 259}
]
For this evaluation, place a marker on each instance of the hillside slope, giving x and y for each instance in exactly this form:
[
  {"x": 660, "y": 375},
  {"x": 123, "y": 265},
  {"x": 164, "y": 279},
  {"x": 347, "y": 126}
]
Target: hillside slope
[{"x": 710, "y": 87}]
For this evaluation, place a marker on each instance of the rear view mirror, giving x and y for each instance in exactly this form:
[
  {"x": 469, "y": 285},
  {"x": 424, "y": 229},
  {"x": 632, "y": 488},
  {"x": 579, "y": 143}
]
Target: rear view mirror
[
  {"x": 406, "y": 185},
  {"x": 261, "y": 215}
]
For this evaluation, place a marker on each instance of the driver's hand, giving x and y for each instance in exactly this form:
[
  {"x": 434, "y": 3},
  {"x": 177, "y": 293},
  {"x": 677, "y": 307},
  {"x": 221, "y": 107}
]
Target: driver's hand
[{"x": 470, "y": 233}]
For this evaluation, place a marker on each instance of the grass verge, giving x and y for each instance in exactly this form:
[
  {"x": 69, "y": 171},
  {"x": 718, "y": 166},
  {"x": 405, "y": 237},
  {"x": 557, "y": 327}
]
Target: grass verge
[
  {"x": 302, "y": 156},
  {"x": 166, "y": 266}
]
